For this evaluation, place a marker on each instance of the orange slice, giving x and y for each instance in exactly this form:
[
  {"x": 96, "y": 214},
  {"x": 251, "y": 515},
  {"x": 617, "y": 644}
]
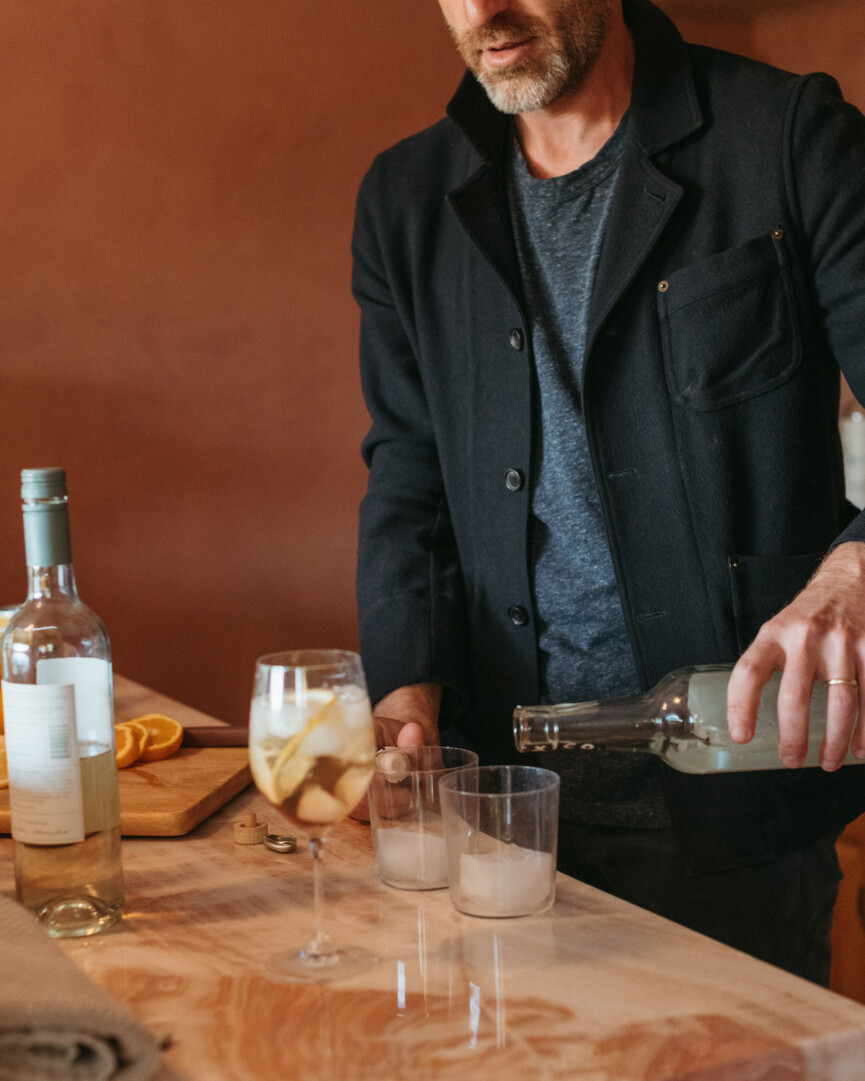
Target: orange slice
[
  {"x": 166, "y": 735},
  {"x": 139, "y": 734},
  {"x": 140, "y": 739},
  {"x": 128, "y": 744}
]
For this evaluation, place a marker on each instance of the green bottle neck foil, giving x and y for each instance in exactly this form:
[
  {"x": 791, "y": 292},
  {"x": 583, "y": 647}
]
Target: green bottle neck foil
[{"x": 46, "y": 518}]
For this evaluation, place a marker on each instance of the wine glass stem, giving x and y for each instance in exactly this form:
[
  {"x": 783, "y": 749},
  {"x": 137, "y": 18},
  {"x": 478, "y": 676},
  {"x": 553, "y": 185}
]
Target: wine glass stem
[{"x": 321, "y": 940}]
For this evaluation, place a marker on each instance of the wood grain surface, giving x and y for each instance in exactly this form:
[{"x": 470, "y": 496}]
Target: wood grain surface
[{"x": 592, "y": 990}]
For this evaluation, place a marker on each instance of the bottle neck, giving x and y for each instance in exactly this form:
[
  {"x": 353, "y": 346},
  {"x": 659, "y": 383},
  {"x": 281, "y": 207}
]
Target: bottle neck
[
  {"x": 638, "y": 722},
  {"x": 45, "y": 583},
  {"x": 48, "y": 548},
  {"x": 631, "y": 723}
]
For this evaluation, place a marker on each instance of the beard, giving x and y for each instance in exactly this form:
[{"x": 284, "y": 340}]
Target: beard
[{"x": 563, "y": 52}]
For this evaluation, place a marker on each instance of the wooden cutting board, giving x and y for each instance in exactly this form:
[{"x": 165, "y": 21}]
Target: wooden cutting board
[{"x": 171, "y": 797}]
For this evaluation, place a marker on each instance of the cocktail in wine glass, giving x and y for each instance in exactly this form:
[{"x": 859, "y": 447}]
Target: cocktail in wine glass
[{"x": 312, "y": 753}]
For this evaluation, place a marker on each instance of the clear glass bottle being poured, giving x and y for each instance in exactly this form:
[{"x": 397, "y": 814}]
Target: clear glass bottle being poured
[{"x": 683, "y": 720}]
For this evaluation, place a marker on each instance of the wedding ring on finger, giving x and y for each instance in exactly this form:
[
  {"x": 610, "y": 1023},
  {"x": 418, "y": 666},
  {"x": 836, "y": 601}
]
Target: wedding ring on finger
[{"x": 842, "y": 682}]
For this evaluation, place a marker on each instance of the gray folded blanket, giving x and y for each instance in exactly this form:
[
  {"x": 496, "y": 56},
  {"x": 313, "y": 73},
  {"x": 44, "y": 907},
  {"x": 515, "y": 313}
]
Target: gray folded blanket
[{"x": 55, "y": 1023}]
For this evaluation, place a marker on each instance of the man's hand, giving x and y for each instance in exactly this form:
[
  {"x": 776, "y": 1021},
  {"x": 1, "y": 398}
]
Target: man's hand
[
  {"x": 819, "y": 636},
  {"x": 407, "y": 717}
]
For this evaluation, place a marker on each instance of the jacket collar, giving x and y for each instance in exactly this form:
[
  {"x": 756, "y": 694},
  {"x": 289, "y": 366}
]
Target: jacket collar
[{"x": 664, "y": 106}]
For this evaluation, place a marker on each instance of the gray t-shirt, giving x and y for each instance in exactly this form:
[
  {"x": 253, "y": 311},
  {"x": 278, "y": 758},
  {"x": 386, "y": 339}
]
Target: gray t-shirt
[{"x": 583, "y": 645}]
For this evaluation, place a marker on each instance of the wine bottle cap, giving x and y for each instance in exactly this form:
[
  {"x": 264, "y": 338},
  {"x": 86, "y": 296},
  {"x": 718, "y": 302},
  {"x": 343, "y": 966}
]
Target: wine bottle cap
[
  {"x": 250, "y": 831},
  {"x": 46, "y": 520},
  {"x": 393, "y": 763},
  {"x": 280, "y": 842},
  {"x": 43, "y": 483}
]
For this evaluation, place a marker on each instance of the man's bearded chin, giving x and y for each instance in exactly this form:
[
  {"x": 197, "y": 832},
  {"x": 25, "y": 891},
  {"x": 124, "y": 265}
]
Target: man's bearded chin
[
  {"x": 556, "y": 68},
  {"x": 525, "y": 88}
]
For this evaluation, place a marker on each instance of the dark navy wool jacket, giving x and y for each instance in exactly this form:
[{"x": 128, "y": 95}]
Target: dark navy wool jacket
[{"x": 730, "y": 289}]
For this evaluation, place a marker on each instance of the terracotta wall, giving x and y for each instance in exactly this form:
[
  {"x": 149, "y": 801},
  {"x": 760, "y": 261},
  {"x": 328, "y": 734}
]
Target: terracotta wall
[
  {"x": 176, "y": 327},
  {"x": 828, "y": 36},
  {"x": 732, "y": 31}
]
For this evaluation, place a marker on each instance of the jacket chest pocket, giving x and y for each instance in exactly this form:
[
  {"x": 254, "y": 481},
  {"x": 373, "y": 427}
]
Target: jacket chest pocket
[{"x": 729, "y": 326}]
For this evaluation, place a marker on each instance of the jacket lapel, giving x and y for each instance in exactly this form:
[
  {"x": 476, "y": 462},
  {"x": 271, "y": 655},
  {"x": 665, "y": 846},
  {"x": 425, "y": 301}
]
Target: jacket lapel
[
  {"x": 643, "y": 203},
  {"x": 664, "y": 110},
  {"x": 482, "y": 207},
  {"x": 481, "y": 204}
]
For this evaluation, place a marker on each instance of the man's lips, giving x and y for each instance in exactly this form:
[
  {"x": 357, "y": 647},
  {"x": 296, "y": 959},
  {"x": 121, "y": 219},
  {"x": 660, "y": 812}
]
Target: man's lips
[{"x": 506, "y": 53}]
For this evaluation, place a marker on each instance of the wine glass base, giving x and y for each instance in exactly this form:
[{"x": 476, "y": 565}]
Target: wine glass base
[{"x": 307, "y": 966}]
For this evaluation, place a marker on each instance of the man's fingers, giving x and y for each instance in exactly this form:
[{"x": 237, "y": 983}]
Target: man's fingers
[
  {"x": 390, "y": 732},
  {"x": 842, "y": 711},
  {"x": 410, "y": 735},
  {"x": 794, "y": 705},
  {"x": 820, "y": 635},
  {"x": 388, "y": 795},
  {"x": 387, "y": 730},
  {"x": 747, "y": 680},
  {"x": 800, "y": 668}
]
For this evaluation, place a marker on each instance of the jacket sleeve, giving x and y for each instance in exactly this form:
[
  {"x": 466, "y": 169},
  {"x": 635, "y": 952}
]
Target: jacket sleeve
[
  {"x": 826, "y": 177},
  {"x": 409, "y": 586}
]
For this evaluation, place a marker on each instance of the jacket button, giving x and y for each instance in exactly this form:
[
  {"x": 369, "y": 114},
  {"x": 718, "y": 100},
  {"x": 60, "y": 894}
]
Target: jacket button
[
  {"x": 663, "y": 286},
  {"x": 517, "y": 338},
  {"x": 514, "y": 480},
  {"x": 777, "y": 233},
  {"x": 518, "y": 615}
]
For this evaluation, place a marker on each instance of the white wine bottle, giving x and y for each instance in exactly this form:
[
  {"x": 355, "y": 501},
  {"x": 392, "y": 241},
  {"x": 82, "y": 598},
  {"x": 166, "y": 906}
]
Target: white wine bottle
[
  {"x": 683, "y": 720},
  {"x": 59, "y": 716}
]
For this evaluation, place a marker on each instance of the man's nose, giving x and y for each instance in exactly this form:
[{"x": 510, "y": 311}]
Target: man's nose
[{"x": 479, "y": 12}]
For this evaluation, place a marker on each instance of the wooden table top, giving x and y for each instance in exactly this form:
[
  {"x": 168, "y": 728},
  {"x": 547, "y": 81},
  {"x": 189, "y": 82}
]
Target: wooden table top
[{"x": 593, "y": 990}]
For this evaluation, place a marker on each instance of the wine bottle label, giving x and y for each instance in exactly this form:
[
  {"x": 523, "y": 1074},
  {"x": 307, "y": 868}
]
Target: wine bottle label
[
  {"x": 94, "y": 709},
  {"x": 44, "y": 770}
]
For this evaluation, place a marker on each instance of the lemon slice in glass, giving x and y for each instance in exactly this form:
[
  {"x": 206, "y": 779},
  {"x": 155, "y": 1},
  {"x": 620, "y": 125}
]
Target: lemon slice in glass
[{"x": 279, "y": 776}]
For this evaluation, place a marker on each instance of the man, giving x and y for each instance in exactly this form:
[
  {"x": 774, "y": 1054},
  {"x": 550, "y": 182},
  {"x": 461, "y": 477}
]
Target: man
[{"x": 603, "y": 308}]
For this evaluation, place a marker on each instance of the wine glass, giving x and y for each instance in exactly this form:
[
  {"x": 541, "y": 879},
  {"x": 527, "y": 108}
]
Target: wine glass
[{"x": 312, "y": 754}]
